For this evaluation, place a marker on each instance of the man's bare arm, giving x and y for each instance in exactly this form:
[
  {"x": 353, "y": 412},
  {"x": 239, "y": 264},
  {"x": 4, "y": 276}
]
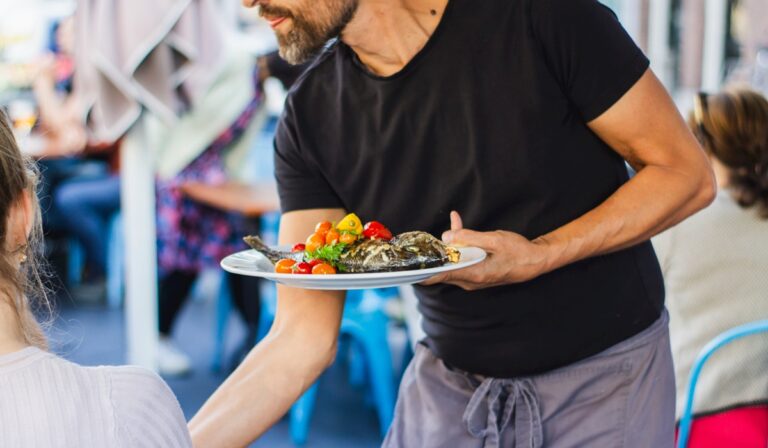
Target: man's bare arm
[
  {"x": 674, "y": 180},
  {"x": 299, "y": 346}
]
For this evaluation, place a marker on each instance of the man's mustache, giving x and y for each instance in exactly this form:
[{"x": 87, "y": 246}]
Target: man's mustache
[{"x": 274, "y": 11}]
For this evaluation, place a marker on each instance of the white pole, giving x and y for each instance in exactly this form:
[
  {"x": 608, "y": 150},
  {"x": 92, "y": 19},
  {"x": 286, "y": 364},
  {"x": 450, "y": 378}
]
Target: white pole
[
  {"x": 658, "y": 40},
  {"x": 713, "y": 65},
  {"x": 138, "y": 209}
]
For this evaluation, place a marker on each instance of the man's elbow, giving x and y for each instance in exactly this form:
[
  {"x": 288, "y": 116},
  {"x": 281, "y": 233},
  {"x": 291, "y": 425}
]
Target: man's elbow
[{"x": 705, "y": 188}]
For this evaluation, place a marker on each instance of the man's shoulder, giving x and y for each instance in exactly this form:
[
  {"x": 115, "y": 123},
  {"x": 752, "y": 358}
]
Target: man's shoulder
[{"x": 315, "y": 80}]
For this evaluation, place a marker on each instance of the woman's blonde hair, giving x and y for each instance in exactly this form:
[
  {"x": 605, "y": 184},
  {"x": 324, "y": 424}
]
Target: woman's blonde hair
[
  {"x": 733, "y": 127},
  {"x": 23, "y": 288}
]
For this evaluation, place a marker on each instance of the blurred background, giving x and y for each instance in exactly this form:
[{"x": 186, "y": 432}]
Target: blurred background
[{"x": 184, "y": 135}]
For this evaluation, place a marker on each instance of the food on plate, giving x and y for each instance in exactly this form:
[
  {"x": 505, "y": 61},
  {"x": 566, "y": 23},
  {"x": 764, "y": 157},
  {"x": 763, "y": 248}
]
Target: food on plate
[{"x": 350, "y": 247}]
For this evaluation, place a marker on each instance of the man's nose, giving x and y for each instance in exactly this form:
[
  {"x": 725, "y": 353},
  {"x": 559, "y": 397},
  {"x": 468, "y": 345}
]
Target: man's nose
[{"x": 252, "y": 3}]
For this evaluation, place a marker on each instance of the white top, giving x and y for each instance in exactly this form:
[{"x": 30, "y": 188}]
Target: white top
[
  {"x": 46, "y": 401},
  {"x": 715, "y": 268}
]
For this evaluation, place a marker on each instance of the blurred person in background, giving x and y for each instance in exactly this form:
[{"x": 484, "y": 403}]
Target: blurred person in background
[
  {"x": 45, "y": 400},
  {"x": 81, "y": 187},
  {"x": 193, "y": 236},
  {"x": 520, "y": 114},
  {"x": 716, "y": 275}
]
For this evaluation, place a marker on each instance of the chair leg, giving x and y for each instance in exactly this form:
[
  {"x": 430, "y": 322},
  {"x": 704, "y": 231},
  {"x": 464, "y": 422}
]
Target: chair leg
[
  {"x": 371, "y": 333},
  {"x": 223, "y": 310},
  {"x": 356, "y": 364},
  {"x": 115, "y": 263},
  {"x": 301, "y": 415},
  {"x": 75, "y": 262}
]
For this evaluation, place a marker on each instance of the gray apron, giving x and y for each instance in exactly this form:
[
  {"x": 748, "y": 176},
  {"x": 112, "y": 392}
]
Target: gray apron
[{"x": 621, "y": 397}]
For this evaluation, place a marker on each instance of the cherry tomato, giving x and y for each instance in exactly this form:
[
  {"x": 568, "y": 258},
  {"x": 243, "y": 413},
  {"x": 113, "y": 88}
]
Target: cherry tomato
[
  {"x": 315, "y": 262},
  {"x": 376, "y": 230},
  {"x": 323, "y": 227},
  {"x": 300, "y": 247},
  {"x": 314, "y": 242},
  {"x": 285, "y": 266},
  {"x": 323, "y": 269},
  {"x": 347, "y": 238},
  {"x": 332, "y": 236},
  {"x": 302, "y": 268}
]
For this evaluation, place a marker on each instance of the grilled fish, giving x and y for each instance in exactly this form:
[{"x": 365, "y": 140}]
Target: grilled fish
[{"x": 406, "y": 251}]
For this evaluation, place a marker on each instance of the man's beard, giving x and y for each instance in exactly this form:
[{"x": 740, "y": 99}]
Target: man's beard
[{"x": 307, "y": 37}]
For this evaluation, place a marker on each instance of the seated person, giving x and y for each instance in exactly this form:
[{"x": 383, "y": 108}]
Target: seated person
[
  {"x": 45, "y": 400},
  {"x": 715, "y": 266},
  {"x": 80, "y": 192}
]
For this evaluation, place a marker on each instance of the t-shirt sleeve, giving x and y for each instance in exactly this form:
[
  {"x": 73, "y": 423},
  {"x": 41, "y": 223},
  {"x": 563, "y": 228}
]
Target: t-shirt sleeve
[
  {"x": 146, "y": 412},
  {"x": 593, "y": 58},
  {"x": 300, "y": 184}
]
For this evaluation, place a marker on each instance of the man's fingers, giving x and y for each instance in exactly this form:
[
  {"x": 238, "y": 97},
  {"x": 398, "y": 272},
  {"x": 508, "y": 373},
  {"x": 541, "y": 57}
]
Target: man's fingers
[
  {"x": 456, "y": 222},
  {"x": 440, "y": 278}
]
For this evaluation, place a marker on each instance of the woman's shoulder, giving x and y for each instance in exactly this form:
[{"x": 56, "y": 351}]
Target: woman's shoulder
[{"x": 146, "y": 410}]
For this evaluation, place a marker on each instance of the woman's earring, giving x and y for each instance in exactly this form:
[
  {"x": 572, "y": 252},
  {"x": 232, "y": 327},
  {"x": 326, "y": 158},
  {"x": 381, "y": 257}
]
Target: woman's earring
[{"x": 23, "y": 254}]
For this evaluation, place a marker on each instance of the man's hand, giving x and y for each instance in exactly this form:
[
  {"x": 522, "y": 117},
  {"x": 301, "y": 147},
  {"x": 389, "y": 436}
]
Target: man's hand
[{"x": 511, "y": 258}]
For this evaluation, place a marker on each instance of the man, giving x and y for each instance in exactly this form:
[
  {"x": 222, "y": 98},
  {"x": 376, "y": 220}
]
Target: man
[{"x": 519, "y": 114}]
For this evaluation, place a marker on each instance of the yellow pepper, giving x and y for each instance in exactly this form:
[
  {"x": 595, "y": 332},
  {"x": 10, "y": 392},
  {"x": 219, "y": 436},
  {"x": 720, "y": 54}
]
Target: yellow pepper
[{"x": 350, "y": 223}]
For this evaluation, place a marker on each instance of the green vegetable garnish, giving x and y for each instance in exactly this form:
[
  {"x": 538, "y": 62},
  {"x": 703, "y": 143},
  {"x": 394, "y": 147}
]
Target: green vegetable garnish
[{"x": 330, "y": 254}]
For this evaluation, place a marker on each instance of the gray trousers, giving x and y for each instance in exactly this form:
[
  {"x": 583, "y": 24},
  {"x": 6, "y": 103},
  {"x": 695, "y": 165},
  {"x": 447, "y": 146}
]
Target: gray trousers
[{"x": 621, "y": 397}]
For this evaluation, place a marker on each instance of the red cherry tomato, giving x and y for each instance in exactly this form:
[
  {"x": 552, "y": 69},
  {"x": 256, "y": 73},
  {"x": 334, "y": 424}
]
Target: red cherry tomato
[
  {"x": 332, "y": 237},
  {"x": 315, "y": 262},
  {"x": 302, "y": 268},
  {"x": 323, "y": 227},
  {"x": 300, "y": 247},
  {"x": 285, "y": 266},
  {"x": 315, "y": 241},
  {"x": 323, "y": 269},
  {"x": 376, "y": 230}
]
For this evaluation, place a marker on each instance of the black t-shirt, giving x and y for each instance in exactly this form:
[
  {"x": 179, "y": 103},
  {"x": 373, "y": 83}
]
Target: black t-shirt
[{"x": 489, "y": 119}]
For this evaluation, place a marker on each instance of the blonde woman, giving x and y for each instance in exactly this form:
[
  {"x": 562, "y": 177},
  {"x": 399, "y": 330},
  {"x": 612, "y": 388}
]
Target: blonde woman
[
  {"x": 716, "y": 274},
  {"x": 46, "y": 401}
]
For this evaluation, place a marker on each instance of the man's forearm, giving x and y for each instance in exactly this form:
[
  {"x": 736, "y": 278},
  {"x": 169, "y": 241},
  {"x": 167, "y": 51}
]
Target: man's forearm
[
  {"x": 654, "y": 200},
  {"x": 258, "y": 393}
]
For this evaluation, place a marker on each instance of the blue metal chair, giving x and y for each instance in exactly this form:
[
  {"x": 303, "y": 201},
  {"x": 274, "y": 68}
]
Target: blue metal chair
[
  {"x": 725, "y": 338},
  {"x": 365, "y": 323},
  {"x": 115, "y": 261}
]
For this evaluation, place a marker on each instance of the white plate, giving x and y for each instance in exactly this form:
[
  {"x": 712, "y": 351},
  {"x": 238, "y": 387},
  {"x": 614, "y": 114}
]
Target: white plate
[{"x": 254, "y": 264}]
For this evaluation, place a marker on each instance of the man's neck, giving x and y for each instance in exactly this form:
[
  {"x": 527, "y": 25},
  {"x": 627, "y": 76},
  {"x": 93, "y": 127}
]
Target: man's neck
[{"x": 387, "y": 34}]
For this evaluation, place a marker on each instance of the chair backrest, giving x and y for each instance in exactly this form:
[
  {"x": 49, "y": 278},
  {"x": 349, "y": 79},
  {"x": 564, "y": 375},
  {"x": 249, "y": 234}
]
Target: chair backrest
[{"x": 715, "y": 344}]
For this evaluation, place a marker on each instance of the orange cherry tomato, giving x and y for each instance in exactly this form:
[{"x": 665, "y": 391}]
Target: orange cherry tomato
[
  {"x": 332, "y": 237},
  {"x": 314, "y": 242},
  {"x": 347, "y": 238},
  {"x": 323, "y": 269},
  {"x": 285, "y": 266},
  {"x": 323, "y": 227}
]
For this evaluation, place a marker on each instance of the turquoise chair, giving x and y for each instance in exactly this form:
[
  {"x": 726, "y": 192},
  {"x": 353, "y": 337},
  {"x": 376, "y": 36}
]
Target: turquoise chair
[
  {"x": 725, "y": 338},
  {"x": 365, "y": 324},
  {"x": 115, "y": 262}
]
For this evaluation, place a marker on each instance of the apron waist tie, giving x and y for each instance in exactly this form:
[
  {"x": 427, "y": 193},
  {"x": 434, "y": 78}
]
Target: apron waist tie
[{"x": 493, "y": 405}]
